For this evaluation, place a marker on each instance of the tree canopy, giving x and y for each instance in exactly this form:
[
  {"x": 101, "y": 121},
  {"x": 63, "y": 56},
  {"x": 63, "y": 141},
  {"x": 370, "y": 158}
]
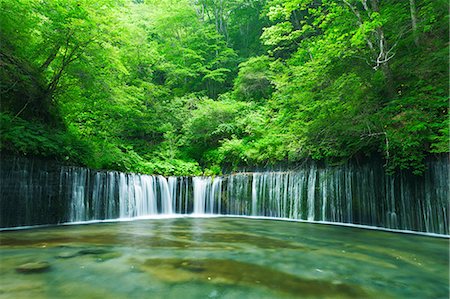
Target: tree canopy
[{"x": 188, "y": 87}]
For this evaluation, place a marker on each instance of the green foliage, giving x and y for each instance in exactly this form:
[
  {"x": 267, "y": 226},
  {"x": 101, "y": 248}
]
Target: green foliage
[
  {"x": 211, "y": 122},
  {"x": 413, "y": 130},
  {"x": 21, "y": 137},
  {"x": 240, "y": 22},
  {"x": 254, "y": 79},
  {"x": 334, "y": 99},
  {"x": 190, "y": 87}
]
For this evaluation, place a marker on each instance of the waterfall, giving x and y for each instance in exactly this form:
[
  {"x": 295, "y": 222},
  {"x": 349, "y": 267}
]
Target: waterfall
[
  {"x": 111, "y": 187},
  {"x": 207, "y": 195},
  {"x": 166, "y": 200},
  {"x": 311, "y": 193},
  {"x": 79, "y": 182},
  {"x": 255, "y": 181},
  {"x": 181, "y": 199},
  {"x": 200, "y": 185},
  {"x": 40, "y": 193},
  {"x": 123, "y": 195},
  {"x": 172, "y": 184},
  {"x": 215, "y": 196},
  {"x": 150, "y": 207}
]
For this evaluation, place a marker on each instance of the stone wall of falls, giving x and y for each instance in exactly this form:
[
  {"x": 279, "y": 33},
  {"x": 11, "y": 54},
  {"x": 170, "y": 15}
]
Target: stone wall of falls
[{"x": 35, "y": 192}]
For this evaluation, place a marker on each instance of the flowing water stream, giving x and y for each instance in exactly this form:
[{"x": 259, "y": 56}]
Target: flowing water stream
[
  {"x": 220, "y": 258},
  {"x": 194, "y": 252},
  {"x": 34, "y": 193}
]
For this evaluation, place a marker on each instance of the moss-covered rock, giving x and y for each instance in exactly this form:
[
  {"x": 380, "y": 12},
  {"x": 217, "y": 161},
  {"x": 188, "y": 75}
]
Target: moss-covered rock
[{"x": 33, "y": 267}]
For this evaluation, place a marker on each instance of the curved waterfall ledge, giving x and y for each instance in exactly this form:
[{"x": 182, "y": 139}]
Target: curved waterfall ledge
[{"x": 36, "y": 192}]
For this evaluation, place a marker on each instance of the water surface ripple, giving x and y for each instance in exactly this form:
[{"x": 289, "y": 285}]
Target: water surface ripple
[{"x": 220, "y": 258}]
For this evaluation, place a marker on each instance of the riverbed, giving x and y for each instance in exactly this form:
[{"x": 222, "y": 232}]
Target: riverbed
[{"x": 220, "y": 257}]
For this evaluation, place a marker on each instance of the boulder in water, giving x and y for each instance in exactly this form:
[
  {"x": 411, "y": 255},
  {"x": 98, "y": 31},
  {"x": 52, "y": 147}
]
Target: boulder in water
[
  {"x": 93, "y": 251},
  {"x": 67, "y": 255},
  {"x": 33, "y": 267}
]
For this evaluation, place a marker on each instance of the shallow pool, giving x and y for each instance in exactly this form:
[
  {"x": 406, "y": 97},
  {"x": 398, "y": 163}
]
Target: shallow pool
[{"x": 220, "y": 258}]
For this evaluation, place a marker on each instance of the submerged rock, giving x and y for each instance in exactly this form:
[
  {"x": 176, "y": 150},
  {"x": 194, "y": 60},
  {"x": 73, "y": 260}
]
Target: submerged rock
[
  {"x": 93, "y": 251},
  {"x": 231, "y": 272},
  {"x": 107, "y": 256},
  {"x": 67, "y": 255},
  {"x": 99, "y": 254},
  {"x": 34, "y": 267}
]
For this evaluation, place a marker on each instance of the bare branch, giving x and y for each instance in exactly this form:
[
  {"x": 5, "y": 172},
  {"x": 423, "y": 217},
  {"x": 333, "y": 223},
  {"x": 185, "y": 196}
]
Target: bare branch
[
  {"x": 364, "y": 3},
  {"x": 412, "y": 8},
  {"x": 366, "y": 8},
  {"x": 21, "y": 110},
  {"x": 51, "y": 57},
  {"x": 360, "y": 22},
  {"x": 11, "y": 87}
]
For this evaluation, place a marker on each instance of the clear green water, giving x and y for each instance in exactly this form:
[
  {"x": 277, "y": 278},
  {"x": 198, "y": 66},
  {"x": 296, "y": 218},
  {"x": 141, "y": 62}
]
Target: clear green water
[{"x": 222, "y": 258}]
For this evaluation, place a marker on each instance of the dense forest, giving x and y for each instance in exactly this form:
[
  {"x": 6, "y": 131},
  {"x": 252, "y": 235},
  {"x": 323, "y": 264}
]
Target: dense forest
[{"x": 179, "y": 87}]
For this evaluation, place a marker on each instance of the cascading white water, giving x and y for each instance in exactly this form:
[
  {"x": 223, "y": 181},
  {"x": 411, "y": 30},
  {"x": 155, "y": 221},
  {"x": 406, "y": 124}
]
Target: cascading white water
[
  {"x": 181, "y": 198},
  {"x": 149, "y": 206},
  {"x": 345, "y": 194},
  {"x": 138, "y": 199},
  {"x": 166, "y": 200},
  {"x": 200, "y": 184},
  {"x": 255, "y": 180},
  {"x": 111, "y": 187},
  {"x": 311, "y": 193},
  {"x": 123, "y": 195},
  {"x": 172, "y": 183},
  {"x": 207, "y": 195},
  {"x": 323, "y": 179},
  {"x": 77, "y": 204},
  {"x": 217, "y": 191}
]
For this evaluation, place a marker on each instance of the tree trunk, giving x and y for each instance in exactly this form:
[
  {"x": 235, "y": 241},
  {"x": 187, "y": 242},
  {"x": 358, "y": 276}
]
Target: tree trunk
[
  {"x": 50, "y": 58},
  {"x": 383, "y": 56},
  {"x": 412, "y": 8}
]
